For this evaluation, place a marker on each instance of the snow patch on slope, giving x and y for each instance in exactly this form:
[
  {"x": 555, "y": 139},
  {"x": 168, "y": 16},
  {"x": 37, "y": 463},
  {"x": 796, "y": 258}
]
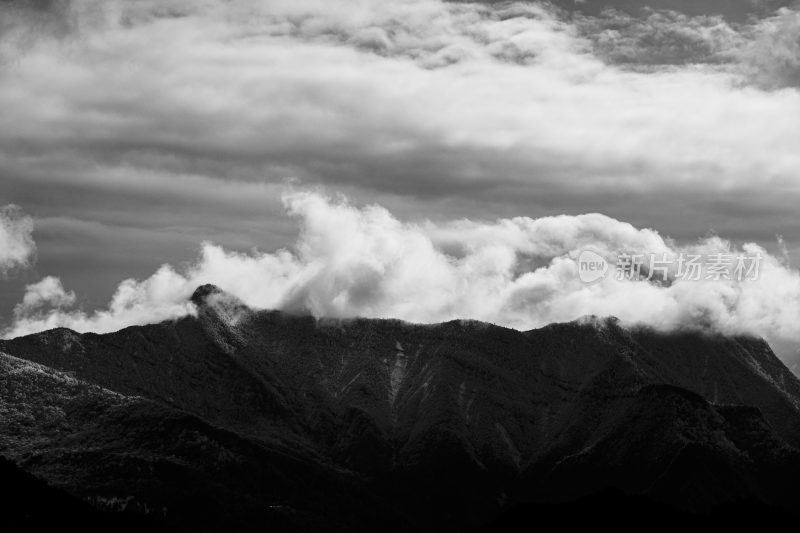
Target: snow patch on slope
[
  {"x": 398, "y": 373},
  {"x": 513, "y": 451}
]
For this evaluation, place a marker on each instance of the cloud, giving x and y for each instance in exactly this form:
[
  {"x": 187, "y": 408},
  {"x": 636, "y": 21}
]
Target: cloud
[
  {"x": 518, "y": 272},
  {"x": 661, "y": 38},
  {"x": 507, "y": 103},
  {"x": 763, "y": 51},
  {"x": 47, "y": 293},
  {"x": 17, "y": 247},
  {"x": 772, "y": 56},
  {"x": 160, "y": 297},
  {"x": 731, "y": 10}
]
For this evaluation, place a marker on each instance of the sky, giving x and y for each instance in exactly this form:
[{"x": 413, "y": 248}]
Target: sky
[{"x": 416, "y": 158}]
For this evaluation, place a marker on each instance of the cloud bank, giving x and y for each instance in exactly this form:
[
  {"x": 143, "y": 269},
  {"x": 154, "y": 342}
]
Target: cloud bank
[
  {"x": 16, "y": 239},
  {"x": 509, "y": 104},
  {"x": 518, "y": 272}
]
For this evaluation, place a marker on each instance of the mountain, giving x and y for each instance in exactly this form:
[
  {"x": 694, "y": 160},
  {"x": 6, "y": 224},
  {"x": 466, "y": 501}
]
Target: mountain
[
  {"x": 265, "y": 419},
  {"x": 29, "y": 504}
]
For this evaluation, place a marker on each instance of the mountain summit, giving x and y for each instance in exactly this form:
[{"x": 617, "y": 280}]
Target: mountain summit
[
  {"x": 202, "y": 293},
  {"x": 260, "y": 418}
]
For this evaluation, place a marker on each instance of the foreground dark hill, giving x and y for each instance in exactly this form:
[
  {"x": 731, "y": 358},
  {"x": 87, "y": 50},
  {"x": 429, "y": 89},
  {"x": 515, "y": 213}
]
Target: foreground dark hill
[
  {"x": 267, "y": 418},
  {"x": 29, "y": 504}
]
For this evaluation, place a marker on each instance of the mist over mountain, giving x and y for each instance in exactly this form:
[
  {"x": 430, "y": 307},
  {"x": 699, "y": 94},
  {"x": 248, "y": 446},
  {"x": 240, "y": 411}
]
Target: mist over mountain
[
  {"x": 250, "y": 419},
  {"x": 361, "y": 261}
]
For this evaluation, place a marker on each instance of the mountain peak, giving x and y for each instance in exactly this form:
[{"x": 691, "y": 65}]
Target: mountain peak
[
  {"x": 219, "y": 308},
  {"x": 202, "y": 292}
]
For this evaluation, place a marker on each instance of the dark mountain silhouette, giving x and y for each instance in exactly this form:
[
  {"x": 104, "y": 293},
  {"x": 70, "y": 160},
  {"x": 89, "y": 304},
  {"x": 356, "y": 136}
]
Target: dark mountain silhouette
[
  {"x": 249, "y": 420},
  {"x": 29, "y": 504}
]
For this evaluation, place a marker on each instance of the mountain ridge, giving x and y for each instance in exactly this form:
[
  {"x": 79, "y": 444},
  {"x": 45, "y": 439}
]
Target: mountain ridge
[{"x": 472, "y": 415}]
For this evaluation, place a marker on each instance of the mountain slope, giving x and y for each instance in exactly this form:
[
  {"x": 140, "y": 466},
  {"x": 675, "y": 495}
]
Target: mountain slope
[
  {"x": 132, "y": 455},
  {"x": 441, "y": 424},
  {"x": 29, "y": 504}
]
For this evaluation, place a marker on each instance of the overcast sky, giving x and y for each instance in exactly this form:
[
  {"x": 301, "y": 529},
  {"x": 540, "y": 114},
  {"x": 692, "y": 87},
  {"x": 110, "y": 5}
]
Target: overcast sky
[{"x": 133, "y": 131}]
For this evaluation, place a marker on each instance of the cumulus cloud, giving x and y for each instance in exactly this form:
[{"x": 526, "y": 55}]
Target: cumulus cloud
[
  {"x": 661, "y": 38},
  {"x": 518, "y": 272},
  {"x": 772, "y": 55},
  {"x": 160, "y": 297},
  {"x": 16, "y": 239},
  {"x": 763, "y": 51},
  {"x": 48, "y": 293}
]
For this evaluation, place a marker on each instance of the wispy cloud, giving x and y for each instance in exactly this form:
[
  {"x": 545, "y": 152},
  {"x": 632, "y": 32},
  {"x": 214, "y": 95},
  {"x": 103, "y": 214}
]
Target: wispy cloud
[{"x": 17, "y": 247}]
